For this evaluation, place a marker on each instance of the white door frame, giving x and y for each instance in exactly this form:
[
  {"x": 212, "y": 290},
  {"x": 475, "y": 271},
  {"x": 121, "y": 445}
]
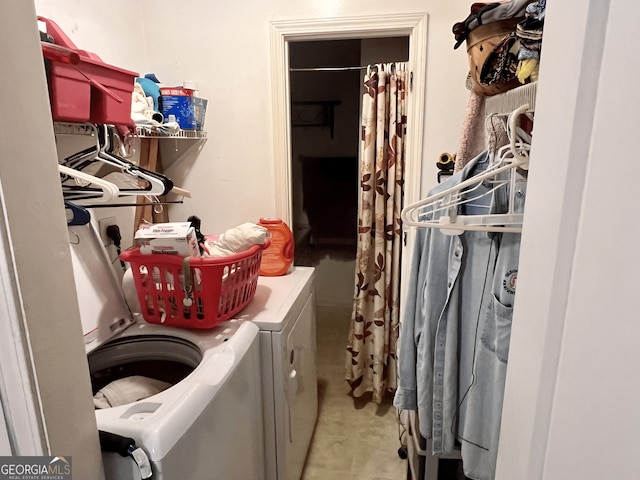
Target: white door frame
[
  {"x": 282, "y": 32},
  {"x": 22, "y": 425}
]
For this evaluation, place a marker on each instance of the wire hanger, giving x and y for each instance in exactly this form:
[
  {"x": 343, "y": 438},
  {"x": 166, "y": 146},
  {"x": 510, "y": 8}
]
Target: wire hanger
[
  {"x": 158, "y": 184},
  {"x": 76, "y": 215},
  {"x": 441, "y": 210},
  {"x": 87, "y": 187},
  {"x": 95, "y": 159}
]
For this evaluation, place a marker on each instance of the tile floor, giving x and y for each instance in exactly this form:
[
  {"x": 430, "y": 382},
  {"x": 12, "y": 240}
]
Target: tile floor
[{"x": 354, "y": 439}]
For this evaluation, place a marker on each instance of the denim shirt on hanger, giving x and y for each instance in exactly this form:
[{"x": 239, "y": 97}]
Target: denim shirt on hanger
[
  {"x": 481, "y": 429},
  {"x": 455, "y": 333},
  {"x": 435, "y": 321}
]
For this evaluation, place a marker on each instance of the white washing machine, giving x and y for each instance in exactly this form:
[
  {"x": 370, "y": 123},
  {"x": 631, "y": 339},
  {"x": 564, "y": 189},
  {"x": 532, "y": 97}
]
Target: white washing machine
[
  {"x": 284, "y": 309},
  {"x": 209, "y": 423}
]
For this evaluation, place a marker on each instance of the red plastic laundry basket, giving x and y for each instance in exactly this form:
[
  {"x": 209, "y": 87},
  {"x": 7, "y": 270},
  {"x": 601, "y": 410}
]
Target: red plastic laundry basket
[{"x": 191, "y": 292}]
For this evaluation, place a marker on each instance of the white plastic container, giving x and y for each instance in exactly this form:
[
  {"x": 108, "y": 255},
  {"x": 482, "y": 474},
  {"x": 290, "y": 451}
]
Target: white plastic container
[{"x": 168, "y": 238}]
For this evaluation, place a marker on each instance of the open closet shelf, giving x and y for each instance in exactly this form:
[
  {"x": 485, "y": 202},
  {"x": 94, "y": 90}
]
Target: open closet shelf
[{"x": 506, "y": 102}]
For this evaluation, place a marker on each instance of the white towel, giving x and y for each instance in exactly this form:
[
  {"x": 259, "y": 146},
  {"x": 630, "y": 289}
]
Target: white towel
[
  {"x": 236, "y": 240},
  {"x": 141, "y": 105},
  {"x": 127, "y": 390},
  {"x": 130, "y": 292}
]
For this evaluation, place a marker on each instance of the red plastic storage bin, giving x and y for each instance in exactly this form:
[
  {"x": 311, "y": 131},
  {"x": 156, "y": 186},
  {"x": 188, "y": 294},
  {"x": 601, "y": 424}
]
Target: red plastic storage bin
[
  {"x": 82, "y": 88},
  {"x": 190, "y": 292}
]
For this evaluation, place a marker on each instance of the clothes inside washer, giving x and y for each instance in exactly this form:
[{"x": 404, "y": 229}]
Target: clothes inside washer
[{"x": 127, "y": 390}]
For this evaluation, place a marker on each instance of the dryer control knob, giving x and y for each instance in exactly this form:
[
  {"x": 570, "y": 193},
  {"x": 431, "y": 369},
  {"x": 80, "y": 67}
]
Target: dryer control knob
[
  {"x": 293, "y": 384},
  {"x": 143, "y": 462}
]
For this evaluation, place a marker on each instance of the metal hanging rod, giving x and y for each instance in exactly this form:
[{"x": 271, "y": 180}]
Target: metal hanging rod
[
  {"x": 138, "y": 204},
  {"x": 373, "y": 66},
  {"x": 326, "y": 69}
]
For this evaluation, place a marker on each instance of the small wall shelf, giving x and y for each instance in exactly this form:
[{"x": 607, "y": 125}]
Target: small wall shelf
[
  {"x": 153, "y": 132},
  {"x": 173, "y": 153},
  {"x": 73, "y": 129},
  {"x": 314, "y": 114}
]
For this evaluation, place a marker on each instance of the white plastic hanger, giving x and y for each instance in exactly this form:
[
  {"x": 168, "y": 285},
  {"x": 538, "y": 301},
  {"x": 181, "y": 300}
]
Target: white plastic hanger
[
  {"x": 100, "y": 191},
  {"x": 157, "y": 184},
  {"x": 93, "y": 158},
  {"x": 498, "y": 175}
]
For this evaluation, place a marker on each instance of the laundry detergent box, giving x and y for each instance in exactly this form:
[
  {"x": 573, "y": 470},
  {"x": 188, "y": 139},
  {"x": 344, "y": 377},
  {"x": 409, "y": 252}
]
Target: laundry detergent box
[
  {"x": 188, "y": 109},
  {"x": 177, "y": 238}
]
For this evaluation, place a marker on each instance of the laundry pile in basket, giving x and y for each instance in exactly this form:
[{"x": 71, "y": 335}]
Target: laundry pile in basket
[
  {"x": 185, "y": 238},
  {"x": 235, "y": 240}
]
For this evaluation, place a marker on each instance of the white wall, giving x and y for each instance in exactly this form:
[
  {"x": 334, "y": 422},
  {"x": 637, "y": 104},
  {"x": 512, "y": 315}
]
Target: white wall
[
  {"x": 114, "y": 30},
  {"x": 231, "y": 61},
  {"x": 571, "y": 408},
  {"x": 595, "y": 420}
]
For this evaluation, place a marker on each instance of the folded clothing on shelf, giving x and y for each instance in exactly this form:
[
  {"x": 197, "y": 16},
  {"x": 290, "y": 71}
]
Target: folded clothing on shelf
[{"x": 487, "y": 12}]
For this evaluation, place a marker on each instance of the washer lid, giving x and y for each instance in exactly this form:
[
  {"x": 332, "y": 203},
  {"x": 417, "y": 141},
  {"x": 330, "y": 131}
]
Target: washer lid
[{"x": 103, "y": 309}]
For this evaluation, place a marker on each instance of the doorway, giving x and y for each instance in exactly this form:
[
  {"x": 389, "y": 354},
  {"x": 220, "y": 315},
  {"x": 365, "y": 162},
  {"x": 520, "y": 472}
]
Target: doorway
[
  {"x": 332, "y": 322},
  {"x": 284, "y": 33},
  {"x": 326, "y": 88}
]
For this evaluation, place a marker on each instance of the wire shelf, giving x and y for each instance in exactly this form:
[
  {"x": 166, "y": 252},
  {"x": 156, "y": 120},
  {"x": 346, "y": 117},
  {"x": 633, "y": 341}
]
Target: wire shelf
[
  {"x": 69, "y": 128},
  {"x": 505, "y": 103},
  {"x": 157, "y": 132}
]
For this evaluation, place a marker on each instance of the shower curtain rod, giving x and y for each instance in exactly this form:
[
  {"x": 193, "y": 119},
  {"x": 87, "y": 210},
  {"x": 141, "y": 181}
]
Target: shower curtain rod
[
  {"x": 325, "y": 69},
  {"x": 339, "y": 69}
]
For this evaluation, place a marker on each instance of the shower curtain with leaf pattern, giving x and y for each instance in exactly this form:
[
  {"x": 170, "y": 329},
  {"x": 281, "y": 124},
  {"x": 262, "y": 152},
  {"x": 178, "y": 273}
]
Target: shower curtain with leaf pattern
[{"x": 371, "y": 350}]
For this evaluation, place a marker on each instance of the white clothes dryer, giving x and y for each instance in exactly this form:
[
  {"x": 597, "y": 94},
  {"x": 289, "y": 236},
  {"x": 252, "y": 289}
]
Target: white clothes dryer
[
  {"x": 284, "y": 309},
  {"x": 208, "y": 424}
]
